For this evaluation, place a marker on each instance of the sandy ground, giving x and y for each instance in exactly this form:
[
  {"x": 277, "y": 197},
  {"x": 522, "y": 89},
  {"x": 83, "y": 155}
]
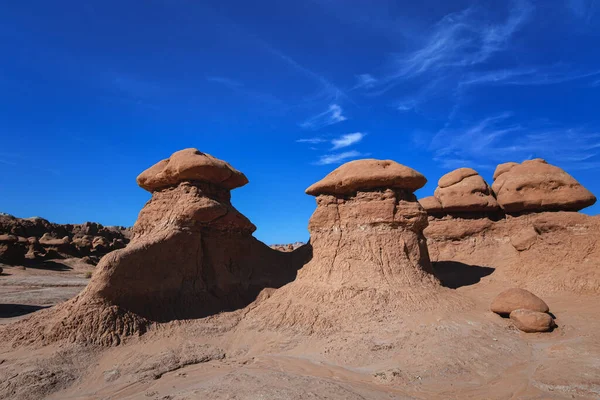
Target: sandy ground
[{"x": 434, "y": 355}]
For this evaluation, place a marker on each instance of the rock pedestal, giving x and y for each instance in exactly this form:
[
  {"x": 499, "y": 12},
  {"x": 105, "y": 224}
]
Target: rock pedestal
[
  {"x": 192, "y": 254},
  {"x": 369, "y": 253}
]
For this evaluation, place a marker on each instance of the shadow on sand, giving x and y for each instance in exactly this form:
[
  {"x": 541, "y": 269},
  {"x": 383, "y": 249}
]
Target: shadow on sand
[
  {"x": 456, "y": 274},
  {"x": 16, "y": 310}
]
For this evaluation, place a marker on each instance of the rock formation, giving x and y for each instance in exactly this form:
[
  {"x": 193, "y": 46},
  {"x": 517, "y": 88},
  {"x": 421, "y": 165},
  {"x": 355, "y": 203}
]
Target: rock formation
[
  {"x": 462, "y": 191},
  {"x": 530, "y": 243},
  {"x": 369, "y": 252},
  {"x": 192, "y": 254},
  {"x": 535, "y": 185},
  {"x": 24, "y": 240}
]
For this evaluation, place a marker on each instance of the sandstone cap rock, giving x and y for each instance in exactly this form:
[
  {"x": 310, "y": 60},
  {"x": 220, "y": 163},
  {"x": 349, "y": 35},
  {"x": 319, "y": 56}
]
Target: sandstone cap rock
[
  {"x": 191, "y": 165},
  {"x": 514, "y": 299},
  {"x": 464, "y": 190},
  {"x": 368, "y": 174},
  {"x": 456, "y": 176},
  {"x": 532, "y": 321},
  {"x": 535, "y": 185}
]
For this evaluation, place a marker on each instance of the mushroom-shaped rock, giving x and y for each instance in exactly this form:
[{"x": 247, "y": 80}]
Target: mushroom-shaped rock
[
  {"x": 535, "y": 185},
  {"x": 192, "y": 254},
  {"x": 369, "y": 255},
  {"x": 514, "y": 299},
  {"x": 532, "y": 321},
  {"x": 368, "y": 174},
  {"x": 191, "y": 165}
]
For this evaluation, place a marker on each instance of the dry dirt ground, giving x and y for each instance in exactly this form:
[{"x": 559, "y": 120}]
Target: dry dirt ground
[{"x": 440, "y": 354}]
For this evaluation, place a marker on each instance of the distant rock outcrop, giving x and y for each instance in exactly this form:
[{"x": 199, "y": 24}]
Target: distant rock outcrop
[
  {"x": 462, "y": 191},
  {"x": 535, "y": 185},
  {"x": 24, "y": 240},
  {"x": 369, "y": 252},
  {"x": 192, "y": 255}
]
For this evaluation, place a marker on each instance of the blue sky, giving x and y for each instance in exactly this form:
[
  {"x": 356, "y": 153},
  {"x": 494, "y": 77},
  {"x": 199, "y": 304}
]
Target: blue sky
[{"x": 92, "y": 93}]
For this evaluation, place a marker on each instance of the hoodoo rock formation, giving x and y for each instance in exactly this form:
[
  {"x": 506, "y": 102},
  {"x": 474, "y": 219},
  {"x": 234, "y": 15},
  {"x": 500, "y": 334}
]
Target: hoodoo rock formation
[
  {"x": 369, "y": 252},
  {"x": 192, "y": 254},
  {"x": 462, "y": 191},
  {"x": 536, "y": 241},
  {"x": 535, "y": 185}
]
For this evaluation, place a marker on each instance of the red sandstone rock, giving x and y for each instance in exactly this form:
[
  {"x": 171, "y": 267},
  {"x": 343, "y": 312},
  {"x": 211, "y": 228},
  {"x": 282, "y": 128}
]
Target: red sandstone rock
[
  {"x": 191, "y": 165},
  {"x": 366, "y": 175},
  {"x": 535, "y": 185},
  {"x": 514, "y": 299},
  {"x": 461, "y": 191},
  {"x": 369, "y": 259},
  {"x": 192, "y": 255},
  {"x": 532, "y": 321}
]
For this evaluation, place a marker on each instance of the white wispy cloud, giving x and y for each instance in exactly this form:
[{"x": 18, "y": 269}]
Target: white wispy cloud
[
  {"x": 534, "y": 76},
  {"x": 366, "y": 81},
  {"x": 347, "y": 140},
  {"x": 332, "y": 115},
  {"x": 315, "y": 140},
  {"x": 338, "y": 157},
  {"x": 499, "y": 138},
  {"x": 459, "y": 40}
]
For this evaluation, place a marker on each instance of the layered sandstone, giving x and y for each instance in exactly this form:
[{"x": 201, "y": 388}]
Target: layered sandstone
[
  {"x": 528, "y": 243},
  {"x": 462, "y": 191},
  {"x": 369, "y": 253},
  {"x": 192, "y": 255}
]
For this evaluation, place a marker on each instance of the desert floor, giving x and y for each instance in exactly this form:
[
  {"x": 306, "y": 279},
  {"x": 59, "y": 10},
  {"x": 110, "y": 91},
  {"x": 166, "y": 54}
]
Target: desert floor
[{"x": 432, "y": 355}]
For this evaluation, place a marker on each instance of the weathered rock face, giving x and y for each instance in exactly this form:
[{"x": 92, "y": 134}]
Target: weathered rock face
[
  {"x": 535, "y": 185},
  {"x": 369, "y": 254},
  {"x": 192, "y": 254},
  {"x": 542, "y": 252},
  {"x": 462, "y": 191},
  {"x": 37, "y": 239}
]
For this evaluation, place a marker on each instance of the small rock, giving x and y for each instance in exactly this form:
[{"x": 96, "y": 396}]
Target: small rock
[{"x": 532, "y": 321}]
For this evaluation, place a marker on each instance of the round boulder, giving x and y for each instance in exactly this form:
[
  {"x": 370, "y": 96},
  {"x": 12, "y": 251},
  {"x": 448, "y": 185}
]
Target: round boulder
[
  {"x": 515, "y": 299},
  {"x": 532, "y": 321},
  {"x": 535, "y": 185},
  {"x": 368, "y": 174}
]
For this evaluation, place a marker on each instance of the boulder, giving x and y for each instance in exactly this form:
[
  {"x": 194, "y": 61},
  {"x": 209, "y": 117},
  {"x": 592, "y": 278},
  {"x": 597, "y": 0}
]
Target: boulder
[
  {"x": 462, "y": 191},
  {"x": 191, "y": 165},
  {"x": 532, "y": 321},
  {"x": 515, "y": 299},
  {"x": 535, "y": 185},
  {"x": 368, "y": 174}
]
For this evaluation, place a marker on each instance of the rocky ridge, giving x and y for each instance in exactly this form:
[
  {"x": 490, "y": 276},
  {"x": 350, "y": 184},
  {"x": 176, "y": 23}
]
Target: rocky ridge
[{"x": 24, "y": 240}]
